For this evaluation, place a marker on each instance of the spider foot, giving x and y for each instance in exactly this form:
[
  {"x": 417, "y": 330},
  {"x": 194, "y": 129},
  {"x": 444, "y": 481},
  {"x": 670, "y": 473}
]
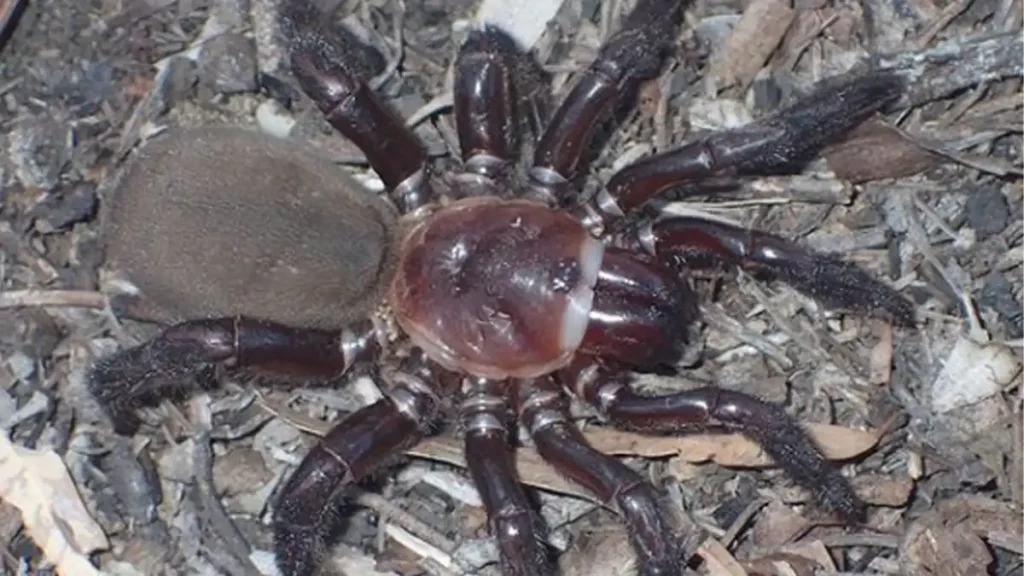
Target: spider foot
[
  {"x": 791, "y": 136},
  {"x": 789, "y": 445},
  {"x": 161, "y": 368},
  {"x": 841, "y": 285},
  {"x": 302, "y": 550},
  {"x": 652, "y": 532},
  {"x": 499, "y": 91},
  {"x": 188, "y": 355},
  {"x": 307, "y": 514},
  {"x": 331, "y": 49}
]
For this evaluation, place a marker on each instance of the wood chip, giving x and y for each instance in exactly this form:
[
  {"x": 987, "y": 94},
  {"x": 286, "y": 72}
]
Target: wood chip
[
  {"x": 718, "y": 559},
  {"x": 752, "y": 42}
]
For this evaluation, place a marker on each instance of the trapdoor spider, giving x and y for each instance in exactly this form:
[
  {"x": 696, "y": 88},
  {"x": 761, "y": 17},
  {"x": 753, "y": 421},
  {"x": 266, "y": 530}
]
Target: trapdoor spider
[{"x": 509, "y": 292}]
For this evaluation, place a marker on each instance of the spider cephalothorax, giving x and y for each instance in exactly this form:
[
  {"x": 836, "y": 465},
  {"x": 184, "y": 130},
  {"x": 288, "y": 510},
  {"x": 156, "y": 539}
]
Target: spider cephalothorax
[{"x": 509, "y": 294}]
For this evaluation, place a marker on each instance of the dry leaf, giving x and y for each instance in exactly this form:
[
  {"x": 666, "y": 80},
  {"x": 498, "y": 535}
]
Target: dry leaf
[
  {"x": 948, "y": 540},
  {"x": 525, "y": 21},
  {"x": 881, "y": 355},
  {"x": 876, "y": 151},
  {"x": 883, "y": 490},
  {"x": 778, "y": 524},
  {"x": 755, "y": 37},
  {"x": 718, "y": 559},
  {"x": 602, "y": 552},
  {"x": 38, "y": 484},
  {"x": 733, "y": 450}
]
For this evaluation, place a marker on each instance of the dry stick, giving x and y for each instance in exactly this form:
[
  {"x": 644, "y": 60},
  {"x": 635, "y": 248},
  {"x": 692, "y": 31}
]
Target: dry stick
[
  {"x": 716, "y": 315},
  {"x": 954, "y": 65},
  {"x": 919, "y": 238},
  {"x": 741, "y": 521},
  {"x": 407, "y": 521},
  {"x": 939, "y": 24},
  {"x": 209, "y": 504},
  {"x": 35, "y": 297},
  {"x": 814, "y": 349}
]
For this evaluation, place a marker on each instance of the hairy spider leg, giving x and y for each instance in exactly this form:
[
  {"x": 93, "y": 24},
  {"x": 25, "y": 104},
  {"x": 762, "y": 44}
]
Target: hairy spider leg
[
  {"x": 543, "y": 410},
  {"x": 330, "y": 69}
]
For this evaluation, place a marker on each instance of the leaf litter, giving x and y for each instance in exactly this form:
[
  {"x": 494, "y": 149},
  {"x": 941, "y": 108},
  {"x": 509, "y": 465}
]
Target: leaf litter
[{"x": 929, "y": 421}]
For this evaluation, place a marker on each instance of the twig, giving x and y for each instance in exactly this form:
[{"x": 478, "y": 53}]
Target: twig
[
  {"x": 939, "y": 24},
  {"x": 950, "y": 67},
  {"x": 9, "y": 12},
  {"x": 69, "y": 298},
  {"x": 210, "y": 507},
  {"x": 918, "y": 236},
  {"x": 741, "y": 521},
  {"x": 716, "y": 315},
  {"x": 406, "y": 521}
]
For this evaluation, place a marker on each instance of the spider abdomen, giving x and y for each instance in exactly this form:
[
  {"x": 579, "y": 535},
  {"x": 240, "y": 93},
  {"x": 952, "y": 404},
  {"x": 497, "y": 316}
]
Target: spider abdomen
[
  {"x": 223, "y": 221},
  {"x": 496, "y": 288}
]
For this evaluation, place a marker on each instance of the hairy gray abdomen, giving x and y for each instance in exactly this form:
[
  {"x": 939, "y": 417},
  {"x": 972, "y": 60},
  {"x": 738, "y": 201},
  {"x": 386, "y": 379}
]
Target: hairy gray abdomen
[{"x": 223, "y": 221}]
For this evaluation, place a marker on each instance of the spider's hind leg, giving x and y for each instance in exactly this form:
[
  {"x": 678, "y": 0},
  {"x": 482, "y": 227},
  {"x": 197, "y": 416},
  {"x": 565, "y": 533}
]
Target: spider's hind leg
[
  {"x": 307, "y": 512},
  {"x": 186, "y": 356}
]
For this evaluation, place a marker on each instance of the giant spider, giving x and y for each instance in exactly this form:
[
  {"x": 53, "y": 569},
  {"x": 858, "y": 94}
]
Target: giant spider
[{"x": 510, "y": 292}]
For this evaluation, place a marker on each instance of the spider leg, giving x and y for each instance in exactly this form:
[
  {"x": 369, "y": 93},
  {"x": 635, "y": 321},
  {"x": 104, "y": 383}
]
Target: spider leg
[
  {"x": 485, "y": 417},
  {"x": 703, "y": 409},
  {"x": 187, "y": 355},
  {"x": 632, "y": 54},
  {"x": 641, "y": 312},
  {"x": 543, "y": 410},
  {"x": 308, "y": 509},
  {"x": 330, "y": 68},
  {"x": 696, "y": 243},
  {"x": 486, "y": 101},
  {"x": 778, "y": 142}
]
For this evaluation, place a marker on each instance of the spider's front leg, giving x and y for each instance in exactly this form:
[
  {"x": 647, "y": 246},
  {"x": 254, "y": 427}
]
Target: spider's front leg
[
  {"x": 329, "y": 66},
  {"x": 544, "y": 412},
  {"x": 486, "y": 101},
  {"x": 188, "y": 354},
  {"x": 632, "y": 54},
  {"x": 778, "y": 142},
  {"x": 307, "y": 512}
]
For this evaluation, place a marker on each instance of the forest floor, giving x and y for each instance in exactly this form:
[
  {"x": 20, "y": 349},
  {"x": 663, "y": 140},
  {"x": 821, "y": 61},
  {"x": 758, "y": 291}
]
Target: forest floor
[{"x": 926, "y": 421}]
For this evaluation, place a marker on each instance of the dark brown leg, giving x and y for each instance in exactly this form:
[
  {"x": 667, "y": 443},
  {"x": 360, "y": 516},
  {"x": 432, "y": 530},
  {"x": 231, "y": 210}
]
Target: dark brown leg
[
  {"x": 485, "y": 417},
  {"x": 696, "y": 243},
  {"x": 308, "y": 509},
  {"x": 331, "y": 68},
  {"x": 704, "y": 409},
  {"x": 641, "y": 312},
  {"x": 485, "y": 101},
  {"x": 187, "y": 355},
  {"x": 776, "y": 143},
  {"x": 632, "y": 54},
  {"x": 543, "y": 410}
]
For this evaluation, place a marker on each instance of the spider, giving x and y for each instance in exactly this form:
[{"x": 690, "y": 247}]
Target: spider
[{"x": 505, "y": 291}]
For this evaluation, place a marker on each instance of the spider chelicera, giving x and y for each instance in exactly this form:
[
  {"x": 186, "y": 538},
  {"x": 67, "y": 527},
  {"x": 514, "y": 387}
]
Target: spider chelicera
[{"x": 504, "y": 291}]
